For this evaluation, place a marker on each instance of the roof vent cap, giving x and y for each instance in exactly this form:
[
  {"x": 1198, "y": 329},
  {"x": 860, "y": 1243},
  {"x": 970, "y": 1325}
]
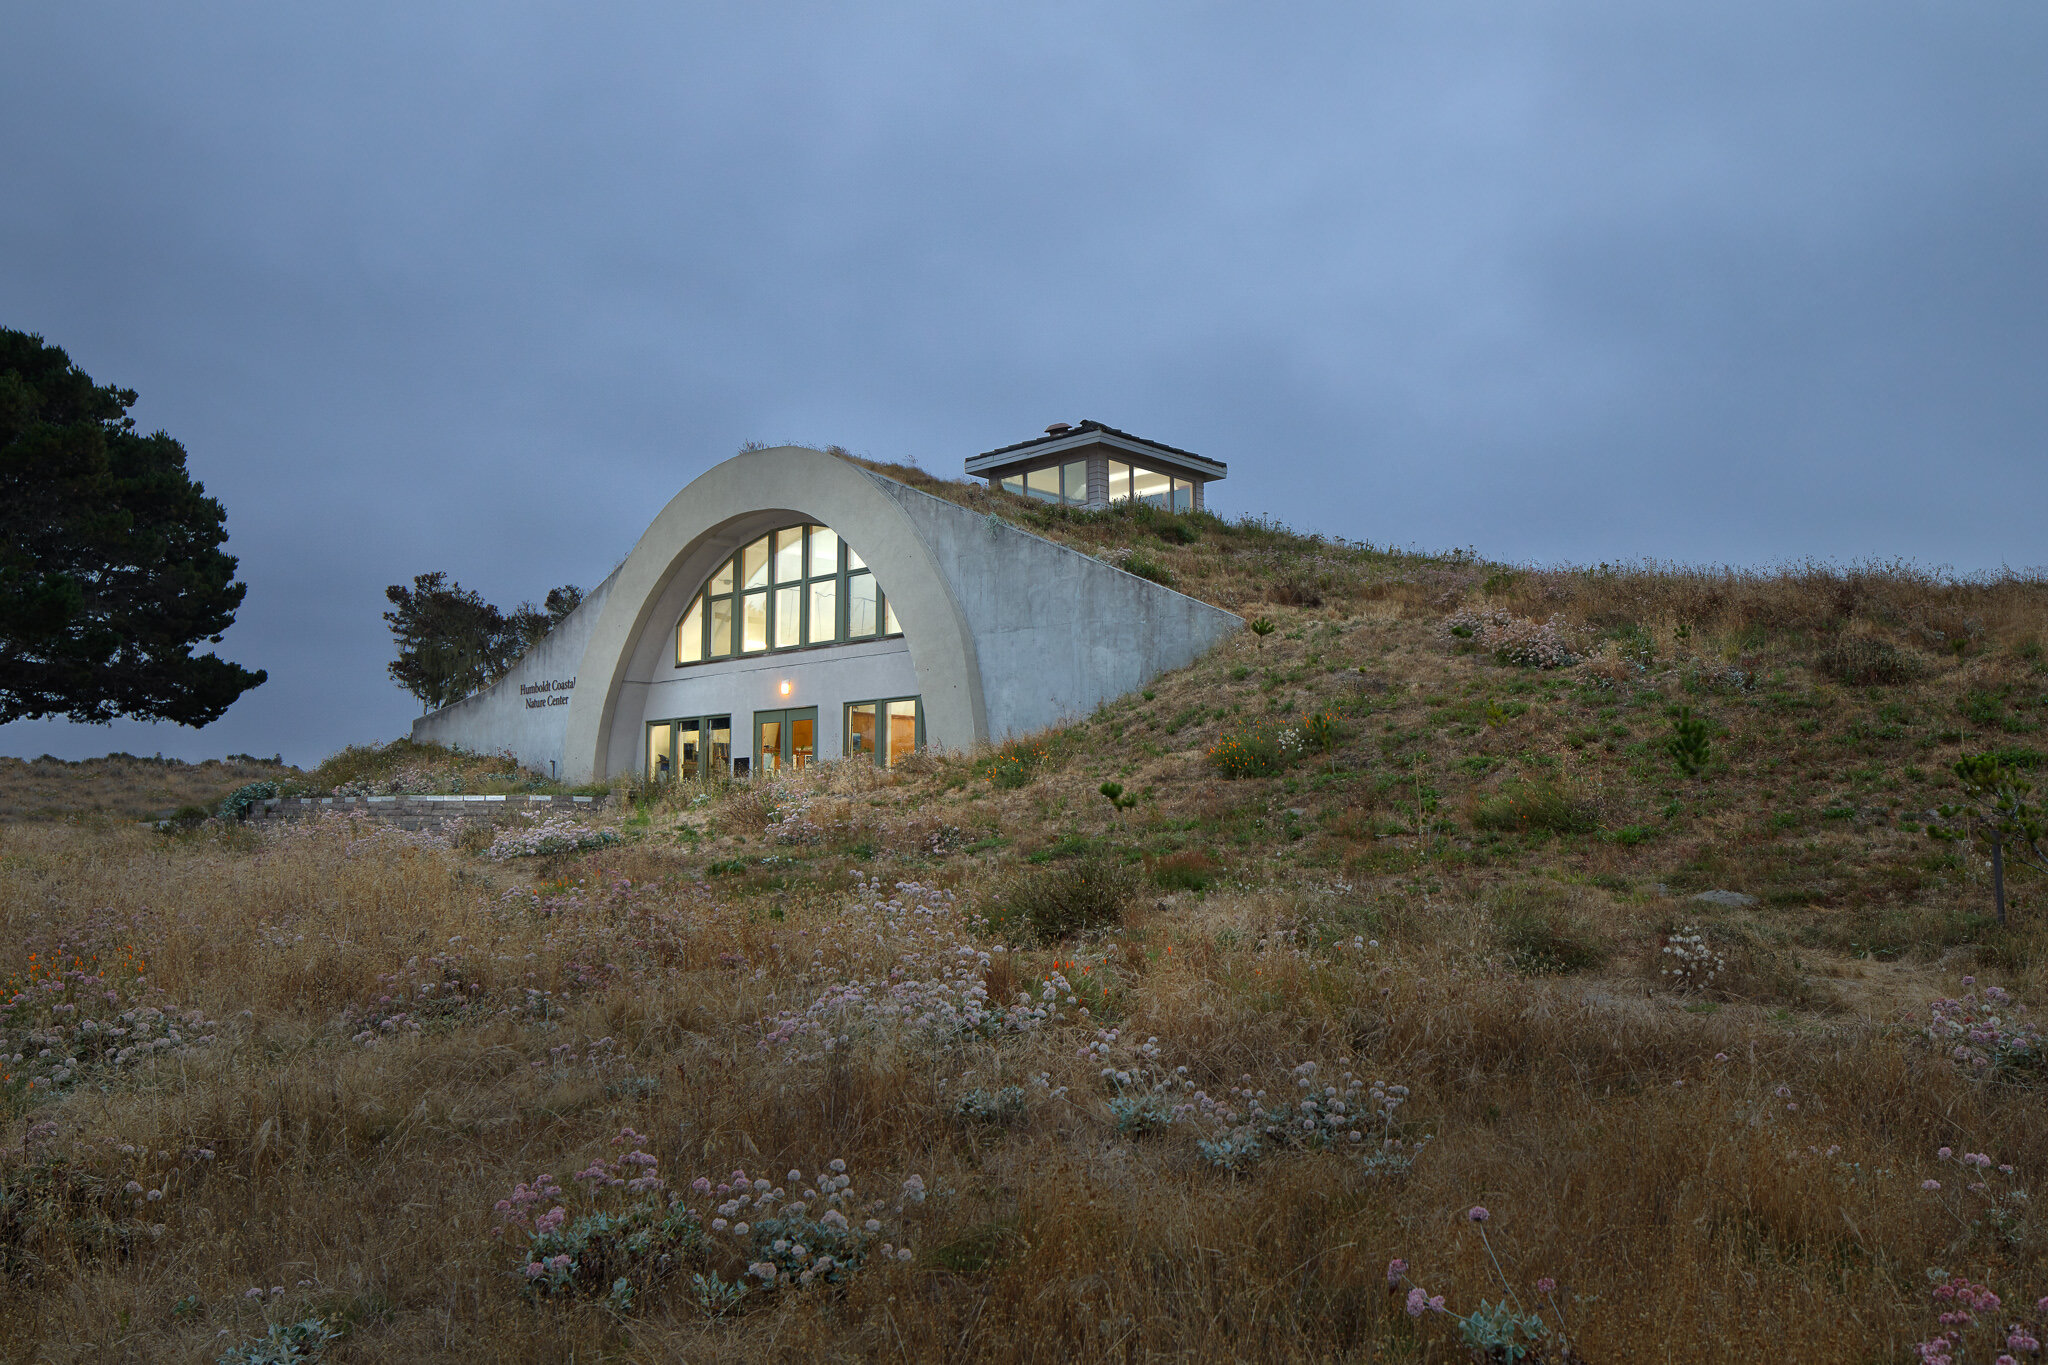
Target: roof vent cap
[{"x": 1059, "y": 429}]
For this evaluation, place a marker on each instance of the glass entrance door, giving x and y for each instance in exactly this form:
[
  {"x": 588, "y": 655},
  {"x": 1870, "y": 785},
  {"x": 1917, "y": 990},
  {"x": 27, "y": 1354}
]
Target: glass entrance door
[
  {"x": 695, "y": 748},
  {"x": 785, "y": 739}
]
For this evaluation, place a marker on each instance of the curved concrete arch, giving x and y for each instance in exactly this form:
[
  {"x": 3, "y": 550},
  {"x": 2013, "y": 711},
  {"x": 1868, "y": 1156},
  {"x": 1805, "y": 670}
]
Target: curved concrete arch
[{"x": 821, "y": 488}]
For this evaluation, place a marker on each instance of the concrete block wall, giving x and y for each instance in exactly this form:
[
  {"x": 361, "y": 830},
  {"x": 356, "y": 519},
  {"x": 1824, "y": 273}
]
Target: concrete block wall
[{"x": 418, "y": 812}]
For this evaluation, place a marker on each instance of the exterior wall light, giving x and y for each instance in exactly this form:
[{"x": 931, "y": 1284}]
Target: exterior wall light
[{"x": 785, "y": 689}]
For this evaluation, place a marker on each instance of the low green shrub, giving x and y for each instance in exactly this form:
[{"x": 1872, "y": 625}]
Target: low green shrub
[
  {"x": 1260, "y": 752},
  {"x": 1547, "y": 942},
  {"x": 1144, "y": 566},
  {"x": 1862, "y": 661},
  {"x": 237, "y": 805},
  {"x": 1542, "y": 929},
  {"x": 187, "y": 818},
  {"x": 1058, "y": 900},
  {"x": 1193, "y": 870},
  {"x": 1542, "y": 804},
  {"x": 1014, "y": 764}
]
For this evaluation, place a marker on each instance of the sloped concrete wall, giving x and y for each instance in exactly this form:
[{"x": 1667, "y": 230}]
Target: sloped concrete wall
[
  {"x": 1056, "y": 632},
  {"x": 526, "y": 712}
]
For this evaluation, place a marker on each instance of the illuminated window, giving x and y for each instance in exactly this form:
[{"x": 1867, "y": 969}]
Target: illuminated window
[
  {"x": 1148, "y": 487},
  {"x": 690, "y": 634},
  {"x": 1043, "y": 484},
  {"x": 1074, "y": 482},
  {"x": 795, "y": 587},
  {"x": 1119, "y": 481},
  {"x": 886, "y": 731},
  {"x": 1062, "y": 483}
]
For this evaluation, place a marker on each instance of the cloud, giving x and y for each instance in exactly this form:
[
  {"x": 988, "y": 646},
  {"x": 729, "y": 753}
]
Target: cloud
[{"x": 478, "y": 290}]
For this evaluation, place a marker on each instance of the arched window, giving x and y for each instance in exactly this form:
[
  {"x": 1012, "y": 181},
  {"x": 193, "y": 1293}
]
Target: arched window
[{"x": 795, "y": 587}]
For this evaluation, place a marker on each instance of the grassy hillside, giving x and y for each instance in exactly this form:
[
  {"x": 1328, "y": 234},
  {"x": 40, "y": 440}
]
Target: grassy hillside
[
  {"x": 122, "y": 786},
  {"x": 1417, "y": 864}
]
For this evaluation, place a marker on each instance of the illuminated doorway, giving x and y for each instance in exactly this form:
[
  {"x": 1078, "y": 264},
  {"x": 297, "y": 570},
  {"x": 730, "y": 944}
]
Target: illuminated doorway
[{"x": 785, "y": 739}]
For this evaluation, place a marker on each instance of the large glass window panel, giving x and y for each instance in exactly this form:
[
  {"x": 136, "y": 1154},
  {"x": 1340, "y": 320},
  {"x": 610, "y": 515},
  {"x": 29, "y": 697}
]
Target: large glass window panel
[
  {"x": 824, "y": 611},
  {"x": 1119, "y": 481},
  {"x": 768, "y": 754},
  {"x": 824, "y": 551},
  {"x": 853, "y": 560},
  {"x": 860, "y": 729},
  {"x": 721, "y": 627},
  {"x": 690, "y": 634},
  {"x": 1014, "y": 483},
  {"x": 689, "y": 753},
  {"x": 661, "y": 752},
  {"x": 1183, "y": 496},
  {"x": 803, "y": 738},
  {"x": 718, "y": 744},
  {"x": 754, "y": 564},
  {"x": 1043, "y": 484},
  {"x": 890, "y": 625},
  {"x": 860, "y": 605},
  {"x": 789, "y": 554},
  {"x": 1074, "y": 481},
  {"x": 789, "y": 606},
  {"x": 754, "y": 622},
  {"x": 1149, "y": 487},
  {"x": 721, "y": 580},
  {"x": 902, "y": 736}
]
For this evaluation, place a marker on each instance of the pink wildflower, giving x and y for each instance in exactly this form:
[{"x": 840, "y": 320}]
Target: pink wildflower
[
  {"x": 1546, "y": 1285},
  {"x": 1945, "y": 1152},
  {"x": 1396, "y": 1268},
  {"x": 1930, "y": 1184},
  {"x": 1479, "y": 1213},
  {"x": 1418, "y": 1303}
]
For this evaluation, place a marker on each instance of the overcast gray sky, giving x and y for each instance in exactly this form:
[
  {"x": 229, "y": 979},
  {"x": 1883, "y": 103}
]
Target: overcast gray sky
[{"x": 479, "y": 288}]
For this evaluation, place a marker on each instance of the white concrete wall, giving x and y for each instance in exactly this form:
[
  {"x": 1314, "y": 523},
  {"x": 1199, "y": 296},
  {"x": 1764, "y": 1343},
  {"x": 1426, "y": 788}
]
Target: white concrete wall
[
  {"x": 1005, "y": 632},
  {"x": 526, "y": 712},
  {"x": 1056, "y": 632}
]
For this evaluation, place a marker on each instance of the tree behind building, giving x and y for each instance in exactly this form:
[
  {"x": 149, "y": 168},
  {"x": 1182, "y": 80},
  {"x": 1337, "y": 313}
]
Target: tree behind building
[{"x": 452, "y": 643}]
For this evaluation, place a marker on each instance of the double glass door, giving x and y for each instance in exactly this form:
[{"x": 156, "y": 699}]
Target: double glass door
[
  {"x": 785, "y": 739},
  {"x": 698, "y": 747}
]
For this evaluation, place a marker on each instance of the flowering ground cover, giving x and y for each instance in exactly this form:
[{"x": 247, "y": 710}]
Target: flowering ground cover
[{"x": 1333, "y": 1060}]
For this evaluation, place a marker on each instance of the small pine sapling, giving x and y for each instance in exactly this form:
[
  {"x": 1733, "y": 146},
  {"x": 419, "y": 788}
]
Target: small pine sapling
[
  {"x": 1690, "y": 744},
  {"x": 1996, "y": 810},
  {"x": 1119, "y": 802}
]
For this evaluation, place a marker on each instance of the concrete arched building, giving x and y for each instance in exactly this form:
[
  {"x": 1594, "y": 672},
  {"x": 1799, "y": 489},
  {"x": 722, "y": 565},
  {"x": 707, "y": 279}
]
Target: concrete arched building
[{"x": 792, "y": 605}]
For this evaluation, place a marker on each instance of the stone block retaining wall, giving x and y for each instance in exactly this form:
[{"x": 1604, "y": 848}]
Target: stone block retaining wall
[{"x": 419, "y": 812}]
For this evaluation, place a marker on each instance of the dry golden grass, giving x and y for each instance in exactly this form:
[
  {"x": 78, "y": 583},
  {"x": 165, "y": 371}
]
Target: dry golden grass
[
  {"x": 122, "y": 786},
  {"x": 1765, "y": 1207}
]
